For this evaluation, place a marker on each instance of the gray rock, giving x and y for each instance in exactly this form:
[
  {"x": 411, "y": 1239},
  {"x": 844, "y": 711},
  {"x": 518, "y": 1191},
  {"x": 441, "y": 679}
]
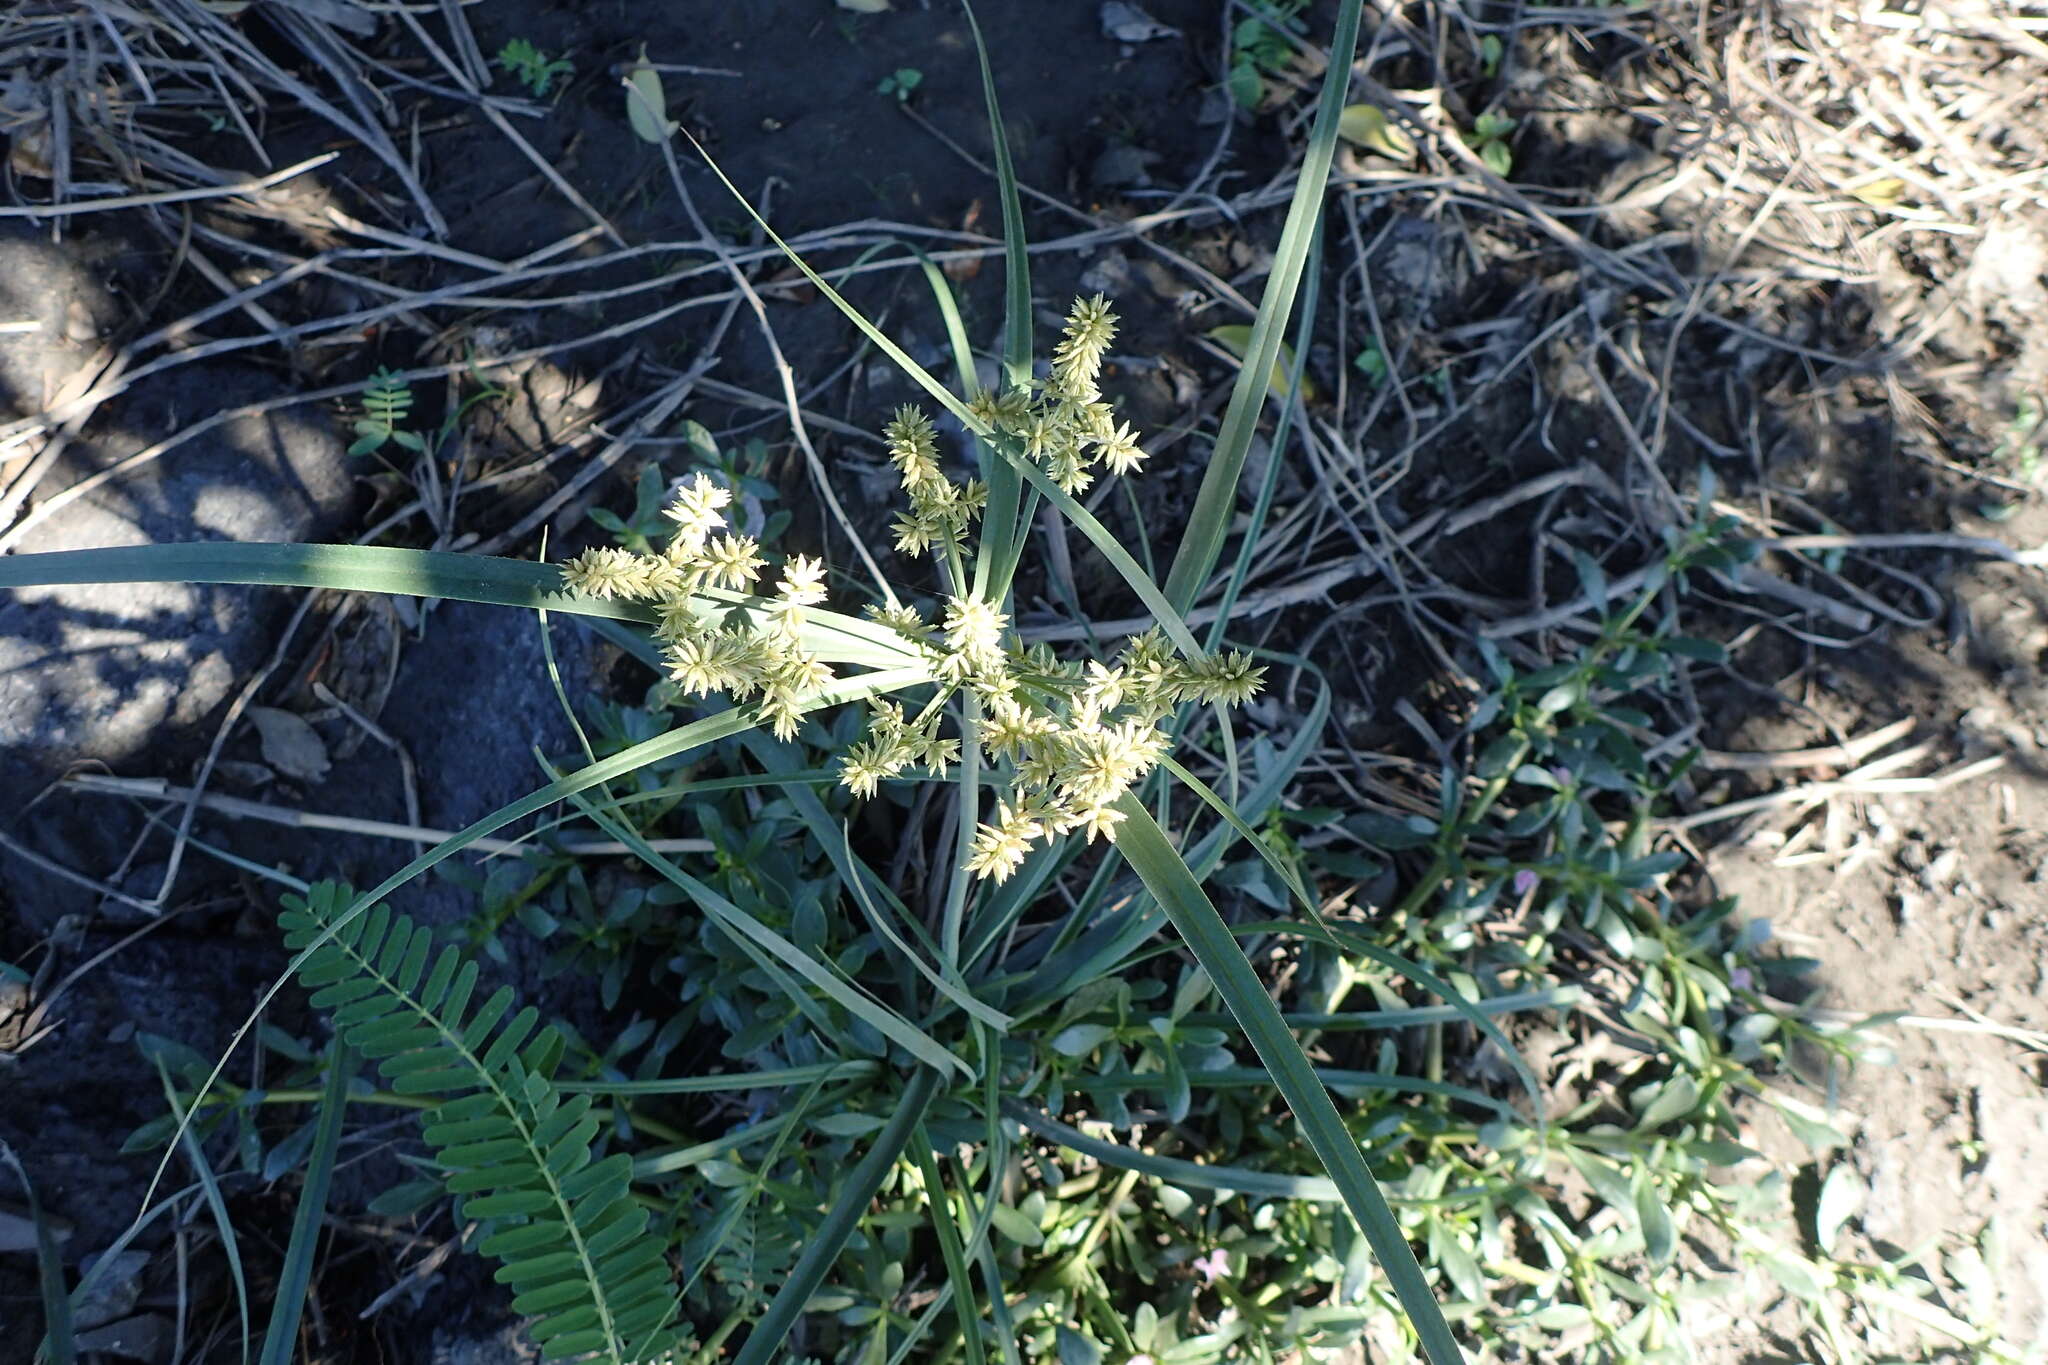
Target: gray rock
[
  {"x": 1128, "y": 24},
  {"x": 117, "y": 1290},
  {"x": 1122, "y": 166},
  {"x": 1414, "y": 268},
  {"x": 123, "y": 674},
  {"x": 470, "y": 704},
  {"x": 473, "y": 702},
  {"x": 53, "y": 313},
  {"x": 100, "y": 671}
]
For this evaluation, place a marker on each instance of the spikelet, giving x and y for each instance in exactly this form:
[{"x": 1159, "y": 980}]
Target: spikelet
[
  {"x": 752, "y": 655},
  {"x": 1063, "y": 741}
]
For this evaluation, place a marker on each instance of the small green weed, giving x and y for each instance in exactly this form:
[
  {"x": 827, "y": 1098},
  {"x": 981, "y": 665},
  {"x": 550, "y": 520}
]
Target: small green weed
[
  {"x": 1490, "y": 53},
  {"x": 1371, "y": 363},
  {"x": 532, "y": 67},
  {"x": 387, "y": 404},
  {"x": 1489, "y": 137},
  {"x": 1259, "y": 47},
  {"x": 901, "y": 83}
]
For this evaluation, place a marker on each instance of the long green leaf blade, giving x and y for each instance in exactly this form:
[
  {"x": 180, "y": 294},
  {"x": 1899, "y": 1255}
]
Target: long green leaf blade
[
  {"x": 1202, "y": 544},
  {"x": 1262, "y": 504},
  {"x": 719, "y": 1084},
  {"x": 209, "y": 1187},
  {"x": 289, "y": 1300},
  {"x": 1154, "y": 859},
  {"x": 822, "y": 1248},
  {"x": 950, "y": 1249},
  {"x": 1001, "y": 528},
  {"x": 89, "y": 1282},
  {"x": 1253, "y": 1077},
  {"x": 1409, "y": 968},
  {"x": 407, "y": 573},
  {"x": 1314, "y": 1189}
]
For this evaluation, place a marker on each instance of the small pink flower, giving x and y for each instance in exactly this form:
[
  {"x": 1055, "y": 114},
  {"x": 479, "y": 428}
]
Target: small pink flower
[
  {"x": 1525, "y": 882},
  {"x": 1213, "y": 1266}
]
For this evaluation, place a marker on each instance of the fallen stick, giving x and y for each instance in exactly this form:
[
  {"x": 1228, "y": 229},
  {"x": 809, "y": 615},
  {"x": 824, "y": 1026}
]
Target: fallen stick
[{"x": 234, "y": 807}]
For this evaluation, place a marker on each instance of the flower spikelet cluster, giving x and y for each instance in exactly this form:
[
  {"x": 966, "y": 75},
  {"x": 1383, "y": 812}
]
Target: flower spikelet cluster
[
  {"x": 1064, "y": 741},
  {"x": 755, "y": 655},
  {"x": 1065, "y": 427},
  {"x": 1062, "y": 425},
  {"x": 940, "y": 509},
  {"x": 1061, "y": 742}
]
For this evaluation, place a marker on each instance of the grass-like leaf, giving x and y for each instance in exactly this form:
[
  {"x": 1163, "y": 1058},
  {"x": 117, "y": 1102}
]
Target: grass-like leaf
[
  {"x": 834, "y": 637},
  {"x": 724, "y": 1082},
  {"x": 1153, "y": 858},
  {"x": 1348, "y": 942},
  {"x": 1314, "y": 1189},
  {"x": 950, "y": 1249},
  {"x": 280, "y": 1337},
  {"x": 1003, "y": 528},
  {"x": 1251, "y": 1077},
  {"x": 89, "y": 1283},
  {"x": 209, "y": 1186},
  {"x": 1209, "y": 522},
  {"x": 1262, "y": 504},
  {"x": 822, "y": 1248},
  {"x": 59, "y": 1345}
]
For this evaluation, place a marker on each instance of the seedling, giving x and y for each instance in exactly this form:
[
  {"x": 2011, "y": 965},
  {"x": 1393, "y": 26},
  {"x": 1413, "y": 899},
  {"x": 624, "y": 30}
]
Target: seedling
[
  {"x": 1489, "y": 137},
  {"x": 1259, "y": 47},
  {"x": 2020, "y": 448},
  {"x": 386, "y": 403},
  {"x": 1372, "y": 363},
  {"x": 902, "y": 83},
  {"x": 532, "y": 67}
]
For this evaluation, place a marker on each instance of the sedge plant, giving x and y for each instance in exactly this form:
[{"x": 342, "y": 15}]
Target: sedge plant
[
  {"x": 1042, "y": 755},
  {"x": 972, "y": 1092}
]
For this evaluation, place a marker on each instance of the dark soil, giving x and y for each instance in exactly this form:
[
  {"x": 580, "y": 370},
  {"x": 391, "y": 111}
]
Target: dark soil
[
  {"x": 1098, "y": 125},
  {"x": 801, "y": 128}
]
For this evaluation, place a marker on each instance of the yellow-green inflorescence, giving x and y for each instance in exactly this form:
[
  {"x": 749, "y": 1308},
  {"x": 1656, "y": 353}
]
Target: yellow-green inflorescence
[{"x": 1063, "y": 739}]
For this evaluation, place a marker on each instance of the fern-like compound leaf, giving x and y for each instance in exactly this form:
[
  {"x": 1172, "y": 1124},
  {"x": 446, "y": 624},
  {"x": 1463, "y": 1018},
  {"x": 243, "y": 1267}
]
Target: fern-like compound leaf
[
  {"x": 575, "y": 1249},
  {"x": 387, "y": 400}
]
